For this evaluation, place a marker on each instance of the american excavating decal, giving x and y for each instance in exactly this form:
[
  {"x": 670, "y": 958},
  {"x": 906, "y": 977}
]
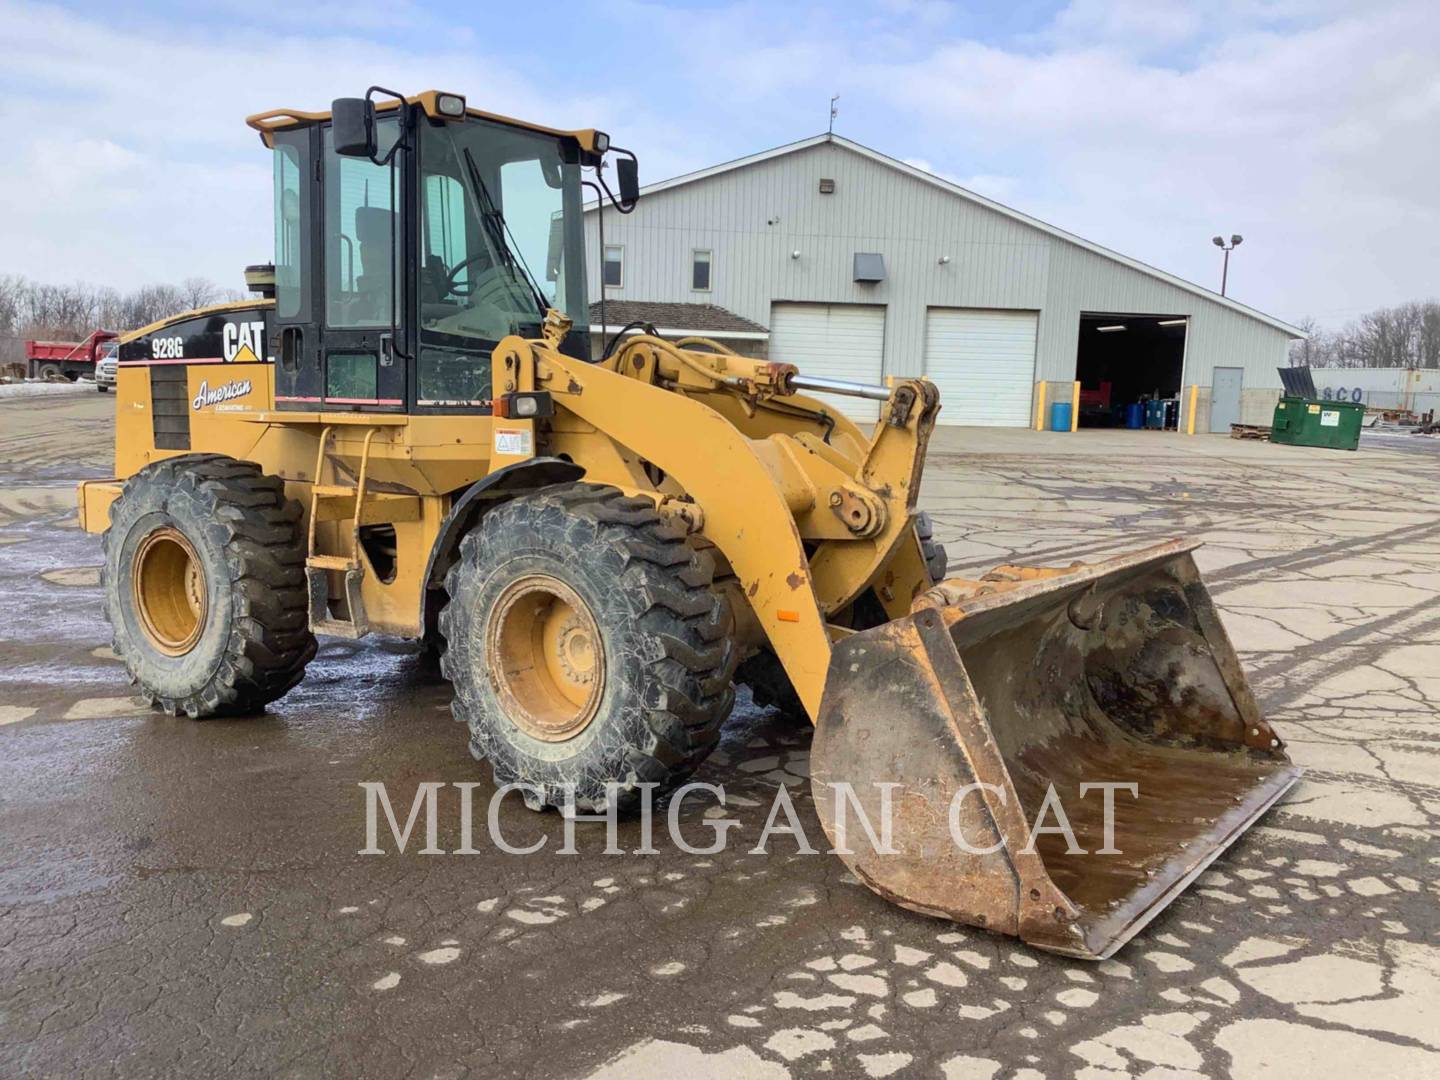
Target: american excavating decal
[{"x": 236, "y": 388}]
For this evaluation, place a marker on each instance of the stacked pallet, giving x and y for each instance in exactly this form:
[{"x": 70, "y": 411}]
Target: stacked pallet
[{"x": 1260, "y": 432}]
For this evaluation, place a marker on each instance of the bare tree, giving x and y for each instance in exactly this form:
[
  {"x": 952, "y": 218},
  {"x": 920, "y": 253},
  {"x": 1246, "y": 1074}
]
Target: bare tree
[
  {"x": 12, "y": 297},
  {"x": 1305, "y": 353},
  {"x": 198, "y": 291},
  {"x": 110, "y": 309},
  {"x": 30, "y": 309},
  {"x": 12, "y": 305},
  {"x": 151, "y": 303},
  {"x": 1404, "y": 336},
  {"x": 1430, "y": 336}
]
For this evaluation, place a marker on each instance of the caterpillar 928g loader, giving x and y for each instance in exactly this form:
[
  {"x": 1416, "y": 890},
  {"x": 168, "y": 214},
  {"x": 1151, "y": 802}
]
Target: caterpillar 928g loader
[{"x": 410, "y": 436}]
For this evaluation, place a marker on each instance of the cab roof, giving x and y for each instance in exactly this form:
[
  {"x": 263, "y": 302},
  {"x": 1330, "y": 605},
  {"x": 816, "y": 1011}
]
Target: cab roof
[{"x": 267, "y": 123}]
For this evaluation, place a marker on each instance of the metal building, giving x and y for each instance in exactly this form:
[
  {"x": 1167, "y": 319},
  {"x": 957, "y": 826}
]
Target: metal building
[{"x": 860, "y": 266}]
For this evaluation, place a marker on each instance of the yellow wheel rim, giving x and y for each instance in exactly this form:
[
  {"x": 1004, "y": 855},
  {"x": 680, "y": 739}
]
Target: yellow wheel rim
[
  {"x": 547, "y": 662},
  {"x": 171, "y": 597}
]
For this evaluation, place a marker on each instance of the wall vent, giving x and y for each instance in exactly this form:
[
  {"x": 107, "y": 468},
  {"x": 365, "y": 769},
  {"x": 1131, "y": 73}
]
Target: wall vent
[
  {"x": 869, "y": 267},
  {"x": 827, "y": 186}
]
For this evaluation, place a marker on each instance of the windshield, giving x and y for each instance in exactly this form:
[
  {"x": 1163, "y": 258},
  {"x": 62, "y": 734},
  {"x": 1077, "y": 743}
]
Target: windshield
[{"x": 494, "y": 207}]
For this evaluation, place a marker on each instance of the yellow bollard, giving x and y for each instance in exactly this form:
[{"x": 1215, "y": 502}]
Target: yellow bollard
[
  {"x": 1075, "y": 407},
  {"x": 1040, "y": 405},
  {"x": 1190, "y": 421}
]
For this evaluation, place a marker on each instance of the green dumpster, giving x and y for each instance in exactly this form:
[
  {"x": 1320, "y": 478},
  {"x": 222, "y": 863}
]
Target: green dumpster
[{"x": 1307, "y": 422}]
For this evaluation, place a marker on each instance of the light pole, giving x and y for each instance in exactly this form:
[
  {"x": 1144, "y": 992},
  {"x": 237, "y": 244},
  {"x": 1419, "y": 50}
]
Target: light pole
[{"x": 1235, "y": 241}]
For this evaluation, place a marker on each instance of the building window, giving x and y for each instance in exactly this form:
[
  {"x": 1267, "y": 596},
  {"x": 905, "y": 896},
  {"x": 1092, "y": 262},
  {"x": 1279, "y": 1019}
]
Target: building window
[
  {"x": 700, "y": 271},
  {"x": 614, "y": 272}
]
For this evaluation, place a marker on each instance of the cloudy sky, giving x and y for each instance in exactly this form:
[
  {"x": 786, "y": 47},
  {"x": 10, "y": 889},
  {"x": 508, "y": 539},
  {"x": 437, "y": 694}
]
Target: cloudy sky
[{"x": 1310, "y": 126}]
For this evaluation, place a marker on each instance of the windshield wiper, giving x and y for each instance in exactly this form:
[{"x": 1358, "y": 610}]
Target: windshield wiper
[{"x": 496, "y": 225}]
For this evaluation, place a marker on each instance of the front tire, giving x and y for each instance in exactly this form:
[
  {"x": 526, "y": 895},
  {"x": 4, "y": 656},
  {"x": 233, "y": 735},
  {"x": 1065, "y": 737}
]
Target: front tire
[
  {"x": 204, "y": 583},
  {"x": 586, "y": 647}
]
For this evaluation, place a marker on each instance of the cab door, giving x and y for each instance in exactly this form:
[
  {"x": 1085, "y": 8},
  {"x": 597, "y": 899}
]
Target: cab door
[{"x": 361, "y": 359}]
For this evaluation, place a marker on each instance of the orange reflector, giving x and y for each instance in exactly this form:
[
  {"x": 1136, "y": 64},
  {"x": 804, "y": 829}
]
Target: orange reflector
[{"x": 787, "y": 616}]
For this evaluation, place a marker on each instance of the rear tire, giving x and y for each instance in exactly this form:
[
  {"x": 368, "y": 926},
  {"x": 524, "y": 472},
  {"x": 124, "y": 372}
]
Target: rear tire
[
  {"x": 204, "y": 583},
  {"x": 50, "y": 372},
  {"x": 586, "y": 646}
]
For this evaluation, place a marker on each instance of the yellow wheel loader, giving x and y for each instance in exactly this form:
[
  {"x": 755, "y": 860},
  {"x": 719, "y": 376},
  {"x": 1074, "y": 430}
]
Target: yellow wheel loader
[{"x": 409, "y": 434}]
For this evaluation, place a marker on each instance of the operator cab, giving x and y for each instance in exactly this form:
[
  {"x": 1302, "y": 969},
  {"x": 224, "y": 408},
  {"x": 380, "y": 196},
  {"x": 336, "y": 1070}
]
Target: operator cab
[{"x": 411, "y": 236}]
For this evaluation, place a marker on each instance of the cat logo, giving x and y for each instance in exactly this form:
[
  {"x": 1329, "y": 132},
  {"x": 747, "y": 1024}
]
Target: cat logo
[{"x": 244, "y": 342}]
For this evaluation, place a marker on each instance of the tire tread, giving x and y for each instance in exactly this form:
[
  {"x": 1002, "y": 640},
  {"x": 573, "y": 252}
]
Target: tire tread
[
  {"x": 688, "y": 649},
  {"x": 258, "y": 528}
]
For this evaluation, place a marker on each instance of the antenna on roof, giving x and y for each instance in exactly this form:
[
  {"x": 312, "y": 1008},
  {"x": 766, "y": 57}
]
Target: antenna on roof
[{"x": 833, "y": 111}]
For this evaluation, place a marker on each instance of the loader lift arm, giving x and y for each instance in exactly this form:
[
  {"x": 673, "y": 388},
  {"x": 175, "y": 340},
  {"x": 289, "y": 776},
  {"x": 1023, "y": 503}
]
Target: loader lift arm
[{"x": 757, "y": 495}]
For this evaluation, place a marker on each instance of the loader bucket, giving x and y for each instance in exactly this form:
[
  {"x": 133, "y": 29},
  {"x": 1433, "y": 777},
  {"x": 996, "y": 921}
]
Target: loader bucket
[{"x": 990, "y": 710}]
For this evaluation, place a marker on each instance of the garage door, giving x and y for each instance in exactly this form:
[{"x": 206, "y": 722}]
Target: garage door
[
  {"x": 983, "y": 363},
  {"x": 838, "y": 341}
]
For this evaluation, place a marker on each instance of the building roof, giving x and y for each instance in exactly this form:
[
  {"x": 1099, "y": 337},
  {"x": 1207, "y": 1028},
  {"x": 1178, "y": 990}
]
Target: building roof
[
  {"x": 670, "y": 318},
  {"x": 989, "y": 204}
]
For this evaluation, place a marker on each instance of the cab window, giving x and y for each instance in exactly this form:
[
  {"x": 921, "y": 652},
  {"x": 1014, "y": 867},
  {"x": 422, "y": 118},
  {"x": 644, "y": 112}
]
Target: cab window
[
  {"x": 291, "y": 248},
  {"x": 362, "y": 207},
  {"x": 445, "y": 240}
]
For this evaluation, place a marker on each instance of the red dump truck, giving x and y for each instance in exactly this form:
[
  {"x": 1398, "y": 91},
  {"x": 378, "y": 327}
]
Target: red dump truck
[{"x": 70, "y": 359}]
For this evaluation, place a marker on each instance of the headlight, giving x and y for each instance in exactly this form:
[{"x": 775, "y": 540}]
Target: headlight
[
  {"x": 602, "y": 142},
  {"x": 452, "y": 105},
  {"x": 527, "y": 405}
]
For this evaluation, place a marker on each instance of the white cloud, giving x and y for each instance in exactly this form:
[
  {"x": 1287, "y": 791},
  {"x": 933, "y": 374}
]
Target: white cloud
[
  {"x": 1129, "y": 25},
  {"x": 140, "y": 168},
  {"x": 924, "y": 166},
  {"x": 1306, "y": 125},
  {"x": 1314, "y": 144},
  {"x": 987, "y": 184}
]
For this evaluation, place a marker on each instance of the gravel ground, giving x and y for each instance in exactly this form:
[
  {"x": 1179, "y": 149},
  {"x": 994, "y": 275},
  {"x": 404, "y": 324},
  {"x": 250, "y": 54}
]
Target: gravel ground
[{"x": 182, "y": 898}]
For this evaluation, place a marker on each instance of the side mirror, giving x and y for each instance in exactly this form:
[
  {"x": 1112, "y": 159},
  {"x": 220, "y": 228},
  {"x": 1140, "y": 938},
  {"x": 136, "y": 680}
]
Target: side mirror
[
  {"x": 627, "y": 176},
  {"x": 354, "y": 126}
]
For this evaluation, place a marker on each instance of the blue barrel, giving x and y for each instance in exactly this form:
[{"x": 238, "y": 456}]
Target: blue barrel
[
  {"x": 1060, "y": 416},
  {"x": 1135, "y": 415}
]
